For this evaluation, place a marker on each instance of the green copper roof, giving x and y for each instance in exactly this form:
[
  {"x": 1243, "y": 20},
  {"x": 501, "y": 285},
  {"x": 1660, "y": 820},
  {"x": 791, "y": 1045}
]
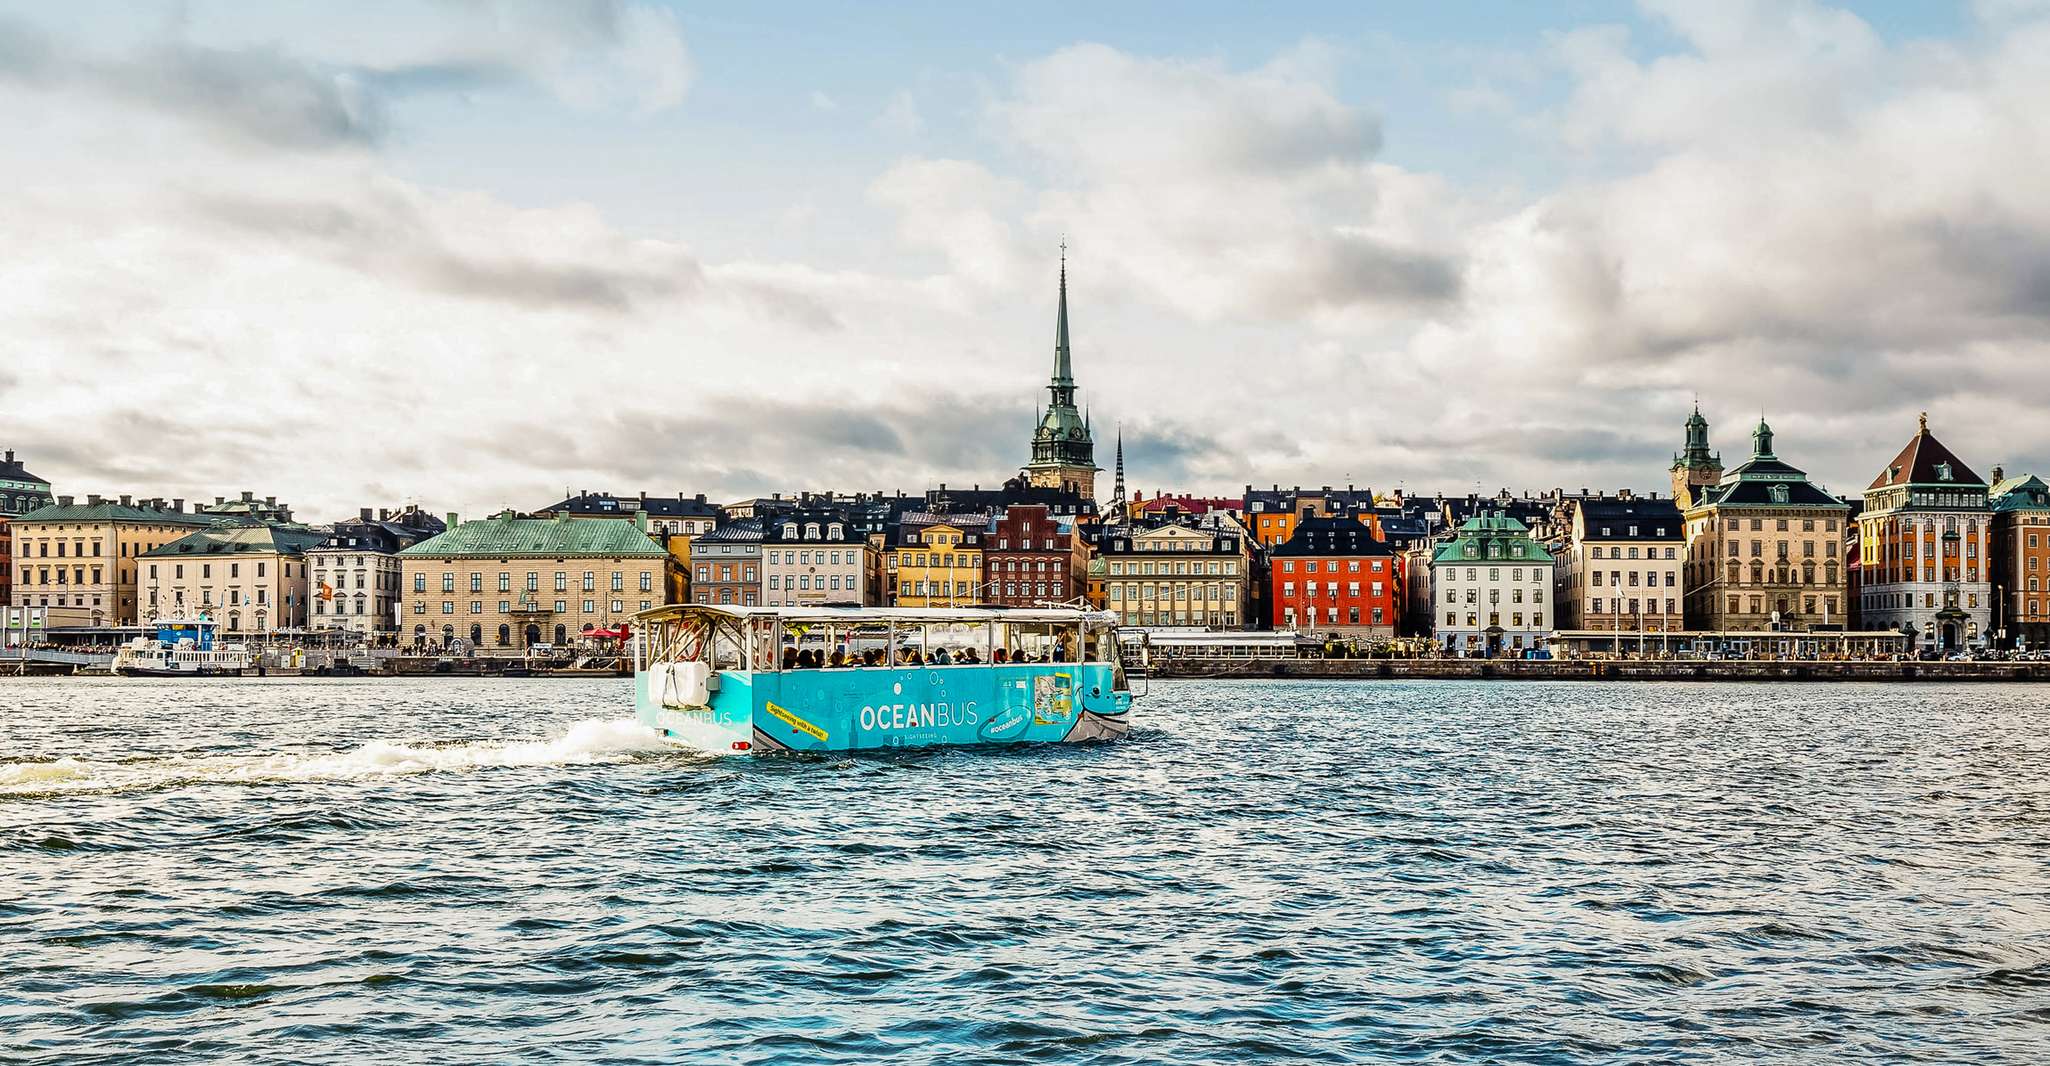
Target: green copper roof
[
  {"x": 2024, "y": 493},
  {"x": 1492, "y": 538},
  {"x": 240, "y": 538},
  {"x": 111, "y": 512},
  {"x": 504, "y": 537}
]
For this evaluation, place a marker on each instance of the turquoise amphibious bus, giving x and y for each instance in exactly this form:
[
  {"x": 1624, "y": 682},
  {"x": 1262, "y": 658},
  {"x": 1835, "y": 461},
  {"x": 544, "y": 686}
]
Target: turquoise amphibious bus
[{"x": 729, "y": 680}]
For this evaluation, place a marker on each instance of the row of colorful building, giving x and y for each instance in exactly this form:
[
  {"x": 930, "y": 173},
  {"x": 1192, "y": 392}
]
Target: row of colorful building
[{"x": 1930, "y": 555}]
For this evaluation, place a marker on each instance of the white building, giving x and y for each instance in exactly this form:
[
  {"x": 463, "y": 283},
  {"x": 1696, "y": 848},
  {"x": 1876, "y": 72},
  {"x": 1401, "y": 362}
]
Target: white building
[
  {"x": 353, "y": 575},
  {"x": 816, "y": 557},
  {"x": 1490, "y": 588}
]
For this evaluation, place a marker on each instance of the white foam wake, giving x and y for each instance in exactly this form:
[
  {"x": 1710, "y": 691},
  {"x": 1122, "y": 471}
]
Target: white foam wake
[{"x": 586, "y": 742}]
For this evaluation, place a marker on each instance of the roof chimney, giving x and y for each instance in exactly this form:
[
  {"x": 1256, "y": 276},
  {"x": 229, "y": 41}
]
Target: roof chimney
[
  {"x": 178, "y": 504},
  {"x": 641, "y": 517},
  {"x": 248, "y": 496},
  {"x": 125, "y": 502},
  {"x": 451, "y": 520},
  {"x": 219, "y": 500},
  {"x": 364, "y": 514},
  {"x": 1999, "y": 475},
  {"x": 93, "y": 500},
  {"x": 10, "y": 455},
  {"x": 64, "y": 501}
]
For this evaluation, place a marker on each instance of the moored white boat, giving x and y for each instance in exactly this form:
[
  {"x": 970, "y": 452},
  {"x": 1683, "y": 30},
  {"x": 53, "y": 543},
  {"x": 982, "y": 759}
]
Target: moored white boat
[{"x": 182, "y": 647}]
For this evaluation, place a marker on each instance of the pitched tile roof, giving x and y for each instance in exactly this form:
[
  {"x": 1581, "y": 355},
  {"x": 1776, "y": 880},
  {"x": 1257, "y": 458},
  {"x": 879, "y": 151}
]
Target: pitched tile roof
[
  {"x": 1333, "y": 537},
  {"x": 1925, "y": 461}
]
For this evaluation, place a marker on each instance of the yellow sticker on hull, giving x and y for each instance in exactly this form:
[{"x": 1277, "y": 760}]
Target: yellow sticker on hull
[{"x": 795, "y": 722}]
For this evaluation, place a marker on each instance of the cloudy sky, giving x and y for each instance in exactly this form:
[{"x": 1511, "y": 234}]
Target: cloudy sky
[{"x": 473, "y": 253}]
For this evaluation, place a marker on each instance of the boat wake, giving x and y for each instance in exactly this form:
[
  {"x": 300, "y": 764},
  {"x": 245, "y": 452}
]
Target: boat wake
[{"x": 587, "y": 742}]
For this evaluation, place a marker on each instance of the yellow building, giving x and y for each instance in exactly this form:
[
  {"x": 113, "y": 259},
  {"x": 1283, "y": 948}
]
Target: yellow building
[
  {"x": 1177, "y": 575},
  {"x": 507, "y": 582},
  {"x": 84, "y": 556},
  {"x": 248, "y": 576},
  {"x": 934, "y": 564}
]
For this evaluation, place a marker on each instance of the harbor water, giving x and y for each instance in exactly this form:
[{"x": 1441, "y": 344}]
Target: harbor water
[{"x": 465, "y": 870}]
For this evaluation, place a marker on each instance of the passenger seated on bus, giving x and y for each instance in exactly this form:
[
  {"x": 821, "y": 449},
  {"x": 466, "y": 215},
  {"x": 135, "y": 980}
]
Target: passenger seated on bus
[
  {"x": 838, "y": 659},
  {"x": 999, "y": 657},
  {"x": 969, "y": 657},
  {"x": 910, "y": 657},
  {"x": 939, "y": 656},
  {"x": 1060, "y": 653},
  {"x": 789, "y": 658}
]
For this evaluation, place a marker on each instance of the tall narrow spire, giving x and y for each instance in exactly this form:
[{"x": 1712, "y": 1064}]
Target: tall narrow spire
[
  {"x": 1117, "y": 496},
  {"x": 1063, "y": 370},
  {"x": 1062, "y": 450}
]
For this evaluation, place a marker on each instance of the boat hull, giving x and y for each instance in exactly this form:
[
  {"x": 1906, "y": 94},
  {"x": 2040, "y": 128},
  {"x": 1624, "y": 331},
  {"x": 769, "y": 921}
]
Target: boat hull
[
  {"x": 146, "y": 671},
  {"x": 886, "y": 707}
]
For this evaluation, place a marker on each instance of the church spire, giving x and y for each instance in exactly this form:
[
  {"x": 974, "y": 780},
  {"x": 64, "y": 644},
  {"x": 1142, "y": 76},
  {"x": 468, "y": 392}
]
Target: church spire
[
  {"x": 1117, "y": 497},
  {"x": 1063, "y": 454},
  {"x": 1063, "y": 370}
]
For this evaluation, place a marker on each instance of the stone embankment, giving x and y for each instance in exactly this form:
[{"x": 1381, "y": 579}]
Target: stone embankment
[{"x": 1604, "y": 670}]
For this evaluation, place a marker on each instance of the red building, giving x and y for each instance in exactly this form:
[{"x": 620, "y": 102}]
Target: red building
[
  {"x": 1031, "y": 555},
  {"x": 1333, "y": 575}
]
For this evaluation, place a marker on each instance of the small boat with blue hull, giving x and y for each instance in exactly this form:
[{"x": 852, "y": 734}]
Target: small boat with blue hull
[{"x": 727, "y": 679}]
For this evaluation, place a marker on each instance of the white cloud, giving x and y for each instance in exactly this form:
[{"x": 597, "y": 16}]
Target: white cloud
[{"x": 1783, "y": 211}]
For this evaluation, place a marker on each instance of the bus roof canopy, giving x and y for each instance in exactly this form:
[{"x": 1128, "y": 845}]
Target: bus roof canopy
[{"x": 884, "y": 615}]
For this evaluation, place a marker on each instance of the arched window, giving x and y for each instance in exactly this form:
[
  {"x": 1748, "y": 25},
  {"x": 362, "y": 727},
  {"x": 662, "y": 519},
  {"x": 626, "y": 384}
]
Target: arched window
[
  {"x": 561, "y": 634},
  {"x": 448, "y": 634},
  {"x": 504, "y": 635},
  {"x": 476, "y": 634}
]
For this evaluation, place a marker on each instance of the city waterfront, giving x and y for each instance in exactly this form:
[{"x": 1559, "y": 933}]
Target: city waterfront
[{"x": 330, "y": 870}]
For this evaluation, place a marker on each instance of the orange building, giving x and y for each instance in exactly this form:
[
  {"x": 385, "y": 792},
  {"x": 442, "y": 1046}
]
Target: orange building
[
  {"x": 2021, "y": 561},
  {"x": 1272, "y": 514},
  {"x": 1925, "y": 541}
]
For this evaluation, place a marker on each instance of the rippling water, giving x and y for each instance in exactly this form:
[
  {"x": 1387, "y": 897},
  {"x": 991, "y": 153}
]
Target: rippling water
[{"x": 465, "y": 870}]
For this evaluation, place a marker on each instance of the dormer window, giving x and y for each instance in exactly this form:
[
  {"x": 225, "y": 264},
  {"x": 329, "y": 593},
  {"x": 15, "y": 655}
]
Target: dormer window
[
  {"x": 790, "y": 531},
  {"x": 833, "y": 531},
  {"x": 1943, "y": 472},
  {"x": 811, "y": 531}
]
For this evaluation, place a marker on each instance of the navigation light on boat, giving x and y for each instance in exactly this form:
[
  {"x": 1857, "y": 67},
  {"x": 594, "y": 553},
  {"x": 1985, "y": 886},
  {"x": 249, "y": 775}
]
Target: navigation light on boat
[{"x": 740, "y": 745}]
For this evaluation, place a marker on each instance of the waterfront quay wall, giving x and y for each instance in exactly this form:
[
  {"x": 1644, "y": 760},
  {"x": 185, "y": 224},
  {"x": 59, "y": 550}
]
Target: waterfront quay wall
[{"x": 1603, "y": 670}]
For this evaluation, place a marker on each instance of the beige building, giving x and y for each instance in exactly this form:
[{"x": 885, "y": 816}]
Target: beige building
[
  {"x": 1177, "y": 575},
  {"x": 1765, "y": 549},
  {"x": 249, "y": 577},
  {"x": 1622, "y": 566},
  {"x": 506, "y": 582},
  {"x": 85, "y": 556}
]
